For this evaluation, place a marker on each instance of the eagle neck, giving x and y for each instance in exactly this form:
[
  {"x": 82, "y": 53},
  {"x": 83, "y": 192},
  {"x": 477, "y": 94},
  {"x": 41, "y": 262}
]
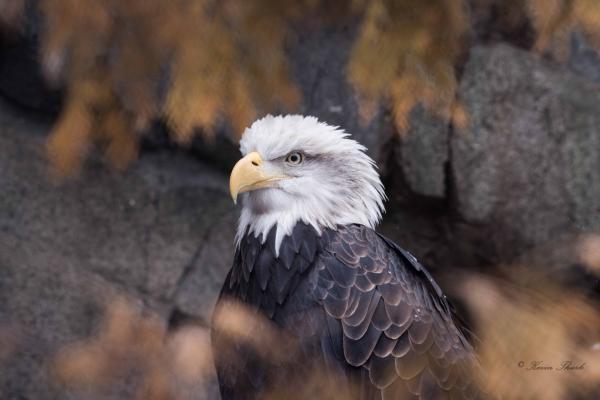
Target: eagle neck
[{"x": 278, "y": 224}]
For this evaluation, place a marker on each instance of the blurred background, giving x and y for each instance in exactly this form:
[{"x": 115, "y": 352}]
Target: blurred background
[{"x": 119, "y": 123}]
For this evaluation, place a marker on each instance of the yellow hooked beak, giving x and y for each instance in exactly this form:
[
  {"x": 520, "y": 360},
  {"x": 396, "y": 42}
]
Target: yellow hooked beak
[{"x": 248, "y": 174}]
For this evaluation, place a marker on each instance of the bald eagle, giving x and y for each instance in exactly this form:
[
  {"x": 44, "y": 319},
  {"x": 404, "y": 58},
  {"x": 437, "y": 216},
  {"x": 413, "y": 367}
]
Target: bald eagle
[{"x": 363, "y": 314}]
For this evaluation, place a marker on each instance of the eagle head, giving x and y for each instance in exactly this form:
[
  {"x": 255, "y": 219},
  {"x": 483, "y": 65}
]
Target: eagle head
[{"x": 296, "y": 168}]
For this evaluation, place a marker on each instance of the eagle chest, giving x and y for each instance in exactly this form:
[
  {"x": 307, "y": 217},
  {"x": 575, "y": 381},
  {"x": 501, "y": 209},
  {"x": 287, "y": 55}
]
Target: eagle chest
[
  {"x": 276, "y": 291},
  {"x": 278, "y": 284}
]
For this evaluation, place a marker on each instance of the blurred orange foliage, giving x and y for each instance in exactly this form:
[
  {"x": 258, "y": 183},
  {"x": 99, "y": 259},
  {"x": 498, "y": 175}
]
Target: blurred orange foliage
[
  {"x": 526, "y": 334},
  {"x": 554, "y": 20},
  {"x": 530, "y": 337},
  {"x": 189, "y": 62},
  {"x": 198, "y": 63},
  {"x": 406, "y": 52},
  {"x": 129, "y": 341},
  {"x": 133, "y": 350}
]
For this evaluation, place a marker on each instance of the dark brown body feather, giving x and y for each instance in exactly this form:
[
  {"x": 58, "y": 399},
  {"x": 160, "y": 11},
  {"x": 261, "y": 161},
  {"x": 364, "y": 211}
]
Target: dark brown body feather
[{"x": 359, "y": 318}]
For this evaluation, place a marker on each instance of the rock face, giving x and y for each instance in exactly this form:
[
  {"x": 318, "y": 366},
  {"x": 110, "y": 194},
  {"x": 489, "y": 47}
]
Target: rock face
[
  {"x": 584, "y": 59},
  {"x": 65, "y": 251},
  {"x": 528, "y": 166},
  {"x": 422, "y": 153}
]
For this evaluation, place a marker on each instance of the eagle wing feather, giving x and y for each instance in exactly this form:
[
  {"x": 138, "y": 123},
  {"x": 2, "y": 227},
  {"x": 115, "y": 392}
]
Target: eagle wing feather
[{"x": 391, "y": 319}]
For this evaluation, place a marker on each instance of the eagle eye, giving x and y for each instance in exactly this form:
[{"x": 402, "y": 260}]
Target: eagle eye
[{"x": 294, "y": 158}]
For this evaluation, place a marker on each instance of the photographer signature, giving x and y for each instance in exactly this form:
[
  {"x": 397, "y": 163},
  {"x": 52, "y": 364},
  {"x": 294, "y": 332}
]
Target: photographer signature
[{"x": 537, "y": 365}]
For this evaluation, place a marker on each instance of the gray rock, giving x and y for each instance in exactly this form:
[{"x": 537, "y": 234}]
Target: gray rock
[
  {"x": 200, "y": 286},
  {"x": 47, "y": 302},
  {"x": 584, "y": 59},
  {"x": 527, "y": 167},
  {"x": 66, "y": 250},
  {"x": 422, "y": 153}
]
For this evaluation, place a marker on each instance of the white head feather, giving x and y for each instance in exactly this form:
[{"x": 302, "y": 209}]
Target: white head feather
[{"x": 337, "y": 184}]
